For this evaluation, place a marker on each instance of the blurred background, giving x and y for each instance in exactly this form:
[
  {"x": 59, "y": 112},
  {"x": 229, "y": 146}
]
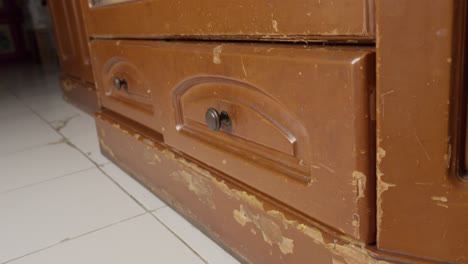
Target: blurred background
[{"x": 26, "y": 33}]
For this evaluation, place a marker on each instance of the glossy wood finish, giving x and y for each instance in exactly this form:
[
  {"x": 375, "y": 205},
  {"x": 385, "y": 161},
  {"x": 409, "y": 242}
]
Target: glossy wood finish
[
  {"x": 71, "y": 39},
  {"x": 77, "y": 77},
  {"x": 300, "y": 137},
  {"x": 133, "y": 65},
  {"x": 298, "y": 134},
  {"x": 295, "y": 133},
  {"x": 299, "y": 20},
  {"x": 421, "y": 200}
]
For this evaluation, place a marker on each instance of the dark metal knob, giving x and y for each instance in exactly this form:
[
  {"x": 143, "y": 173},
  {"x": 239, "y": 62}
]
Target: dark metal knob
[
  {"x": 215, "y": 121},
  {"x": 119, "y": 83}
]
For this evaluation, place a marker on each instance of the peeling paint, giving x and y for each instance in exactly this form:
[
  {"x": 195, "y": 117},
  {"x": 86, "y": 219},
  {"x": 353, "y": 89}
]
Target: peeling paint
[
  {"x": 237, "y": 194},
  {"x": 106, "y": 148},
  {"x": 448, "y": 155},
  {"x": 241, "y": 217},
  {"x": 274, "y": 24},
  {"x": 151, "y": 157},
  {"x": 157, "y": 158},
  {"x": 248, "y": 198},
  {"x": 381, "y": 188},
  {"x": 311, "y": 232},
  {"x": 356, "y": 224},
  {"x": 270, "y": 230},
  {"x": 286, "y": 245},
  {"x": 359, "y": 180},
  {"x": 217, "y": 54},
  {"x": 271, "y": 224},
  {"x": 440, "y": 198},
  {"x": 197, "y": 185},
  {"x": 336, "y": 261},
  {"x": 148, "y": 142},
  {"x": 351, "y": 253}
]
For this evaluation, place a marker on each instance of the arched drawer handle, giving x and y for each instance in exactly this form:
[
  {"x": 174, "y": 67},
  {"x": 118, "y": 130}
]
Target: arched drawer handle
[
  {"x": 215, "y": 121},
  {"x": 120, "y": 83}
]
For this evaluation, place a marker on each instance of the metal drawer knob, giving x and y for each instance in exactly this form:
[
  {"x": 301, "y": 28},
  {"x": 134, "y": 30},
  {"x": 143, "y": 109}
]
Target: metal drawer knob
[
  {"x": 119, "y": 83},
  {"x": 215, "y": 121}
]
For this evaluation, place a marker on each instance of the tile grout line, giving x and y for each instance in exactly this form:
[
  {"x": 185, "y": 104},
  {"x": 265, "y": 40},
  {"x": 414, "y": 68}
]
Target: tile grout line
[
  {"x": 111, "y": 179},
  {"x": 33, "y": 147},
  {"x": 46, "y": 180},
  {"x": 178, "y": 237},
  {"x": 99, "y": 167},
  {"x": 75, "y": 237},
  {"x": 67, "y": 141}
]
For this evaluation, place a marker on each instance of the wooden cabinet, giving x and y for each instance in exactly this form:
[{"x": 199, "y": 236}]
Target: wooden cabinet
[
  {"x": 290, "y": 150},
  {"x": 73, "y": 52}
]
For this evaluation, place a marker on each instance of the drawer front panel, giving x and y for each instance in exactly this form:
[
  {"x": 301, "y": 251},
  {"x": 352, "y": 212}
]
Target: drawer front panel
[
  {"x": 259, "y": 127},
  {"x": 290, "y": 121},
  {"x": 122, "y": 81},
  {"x": 293, "y": 122},
  {"x": 235, "y": 19}
]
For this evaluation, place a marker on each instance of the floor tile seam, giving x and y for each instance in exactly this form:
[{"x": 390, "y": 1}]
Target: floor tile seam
[
  {"x": 66, "y": 240},
  {"x": 92, "y": 161},
  {"x": 179, "y": 238},
  {"x": 62, "y": 140},
  {"x": 46, "y": 180}
]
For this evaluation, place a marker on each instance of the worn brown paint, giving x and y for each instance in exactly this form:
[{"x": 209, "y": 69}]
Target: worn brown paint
[
  {"x": 300, "y": 20},
  {"x": 283, "y": 128},
  {"x": 276, "y": 198},
  {"x": 73, "y": 52},
  {"x": 250, "y": 225},
  {"x": 422, "y": 205},
  {"x": 80, "y": 93},
  {"x": 135, "y": 67},
  {"x": 225, "y": 209}
]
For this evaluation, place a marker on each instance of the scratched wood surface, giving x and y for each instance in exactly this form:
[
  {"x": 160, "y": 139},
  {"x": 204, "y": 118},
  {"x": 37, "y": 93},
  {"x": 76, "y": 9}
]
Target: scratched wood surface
[{"x": 422, "y": 205}]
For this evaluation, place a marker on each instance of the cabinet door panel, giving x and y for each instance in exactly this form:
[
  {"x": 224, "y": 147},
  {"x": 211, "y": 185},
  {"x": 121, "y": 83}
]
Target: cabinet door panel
[
  {"x": 71, "y": 38},
  {"x": 422, "y": 200}
]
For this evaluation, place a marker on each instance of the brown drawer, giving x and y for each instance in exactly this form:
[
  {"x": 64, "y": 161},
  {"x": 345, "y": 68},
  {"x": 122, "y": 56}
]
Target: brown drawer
[
  {"x": 123, "y": 80},
  {"x": 299, "y": 126},
  {"x": 233, "y": 19}
]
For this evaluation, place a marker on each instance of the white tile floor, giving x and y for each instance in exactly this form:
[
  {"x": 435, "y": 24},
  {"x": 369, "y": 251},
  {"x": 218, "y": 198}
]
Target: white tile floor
[{"x": 61, "y": 201}]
